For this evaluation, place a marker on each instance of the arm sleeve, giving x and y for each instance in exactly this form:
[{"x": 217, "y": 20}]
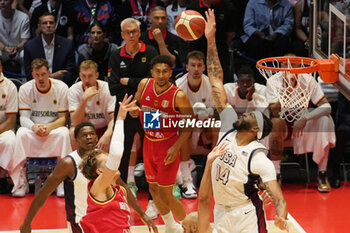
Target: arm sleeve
[
  {"x": 117, "y": 146},
  {"x": 73, "y": 100},
  {"x": 228, "y": 116},
  {"x": 63, "y": 99},
  {"x": 263, "y": 167},
  {"x": 25, "y": 120}
]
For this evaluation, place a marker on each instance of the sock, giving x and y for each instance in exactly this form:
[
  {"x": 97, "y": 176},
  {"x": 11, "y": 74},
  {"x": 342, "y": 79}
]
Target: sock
[
  {"x": 168, "y": 219},
  {"x": 277, "y": 164},
  {"x": 185, "y": 170},
  {"x": 131, "y": 176}
]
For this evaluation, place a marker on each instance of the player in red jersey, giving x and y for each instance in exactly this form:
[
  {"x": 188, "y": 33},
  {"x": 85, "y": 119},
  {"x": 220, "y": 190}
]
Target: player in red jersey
[{"x": 163, "y": 101}]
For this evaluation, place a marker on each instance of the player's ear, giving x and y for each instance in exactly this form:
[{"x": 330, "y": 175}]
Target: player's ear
[
  {"x": 194, "y": 227},
  {"x": 99, "y": 171}
]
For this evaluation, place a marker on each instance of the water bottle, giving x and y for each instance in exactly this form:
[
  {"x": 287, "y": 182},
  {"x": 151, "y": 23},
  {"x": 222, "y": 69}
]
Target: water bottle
[
  {"x": 43, "y": 170},
  {"x": 30, "y": 172}
]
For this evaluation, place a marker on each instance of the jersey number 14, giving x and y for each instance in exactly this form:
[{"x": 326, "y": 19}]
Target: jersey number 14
[{"x": 222, "y": 174}]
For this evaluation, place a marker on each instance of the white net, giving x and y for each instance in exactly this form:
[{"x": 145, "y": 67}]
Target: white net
[{"x": 293, "y": 90}]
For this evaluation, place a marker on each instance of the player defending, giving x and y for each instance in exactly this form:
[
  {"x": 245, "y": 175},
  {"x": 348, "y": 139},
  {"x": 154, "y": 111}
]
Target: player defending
[
  {"x": 161, "y": 146},
  {"x": 234, "y": 175}
]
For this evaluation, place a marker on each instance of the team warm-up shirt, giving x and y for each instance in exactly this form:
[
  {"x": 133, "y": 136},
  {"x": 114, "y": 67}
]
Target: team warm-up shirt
[
  {"x": 241, "y": 106},
  {"x": 230, "y": 172},
  {"x": 8, "y": 100},
  {"x": 98, "y": 107},
  {"x": 165, "y": 102},
  {"x": 44, "y": 107},
  {"x": 202, "y": 95},
  {"x": 306, "y": 81}
]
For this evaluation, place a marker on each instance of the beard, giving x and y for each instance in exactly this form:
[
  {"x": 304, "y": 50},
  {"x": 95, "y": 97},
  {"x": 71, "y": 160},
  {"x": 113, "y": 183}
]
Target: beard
[{"x": 243, "y": 125}]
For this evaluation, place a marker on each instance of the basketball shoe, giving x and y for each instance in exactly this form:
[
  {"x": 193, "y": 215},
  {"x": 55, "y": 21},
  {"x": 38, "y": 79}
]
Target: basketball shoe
[
  {"x": 188, "y": 190},
  {"x": 133, "y": 188},
  {"x": 322, "y": 182},
  {"x": 152, "y": 210},
  {"x": 21, "y": 191}
]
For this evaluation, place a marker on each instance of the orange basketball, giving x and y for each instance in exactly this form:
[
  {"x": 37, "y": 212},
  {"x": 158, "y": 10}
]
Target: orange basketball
[{"x": 190, "y": 25}]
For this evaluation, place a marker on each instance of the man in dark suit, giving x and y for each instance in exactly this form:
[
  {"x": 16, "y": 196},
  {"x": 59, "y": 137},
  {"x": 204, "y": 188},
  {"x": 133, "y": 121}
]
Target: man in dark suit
[{"x": 57, "y": 50}]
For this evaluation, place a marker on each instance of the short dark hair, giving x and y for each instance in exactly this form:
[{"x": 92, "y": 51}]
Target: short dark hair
[
  {"x": 46, "y": 13},
  {"x": 80, "y": 126},
  {"x": 98, "y": 24},
  {"x": 267, "y": 126},
  {"x": 157, "y": 8},
  {"x": 195, "y": 54},
  {"x": 245, "y": 70},
  {"x": 162, "y": 59}
]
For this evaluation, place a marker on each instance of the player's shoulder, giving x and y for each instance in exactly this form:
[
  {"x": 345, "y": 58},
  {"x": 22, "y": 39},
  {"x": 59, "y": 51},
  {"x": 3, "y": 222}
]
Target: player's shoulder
[
  {"x": 8, "y": 85},
  {"x": 27, "y": 87},
  {"x": 260, "y": 88},
  {"x": 180, "y": 82},
  {"x": 58, "y": 84}
]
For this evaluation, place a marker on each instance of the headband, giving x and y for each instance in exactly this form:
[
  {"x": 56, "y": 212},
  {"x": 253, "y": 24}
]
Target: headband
[{"x": 260, "y": 121}]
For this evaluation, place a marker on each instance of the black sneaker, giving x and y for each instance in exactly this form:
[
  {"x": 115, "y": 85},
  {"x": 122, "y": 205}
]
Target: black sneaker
[{"x": 322, "y": 182}]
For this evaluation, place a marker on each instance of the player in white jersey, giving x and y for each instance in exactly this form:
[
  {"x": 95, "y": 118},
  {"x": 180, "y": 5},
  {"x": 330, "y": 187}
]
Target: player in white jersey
[
  {"x": 43, "y": 109},
  {"x": 245, "y": 95},
  {"x": 8, "y": 113},
  {"x": 89, "y": 100},
  {"x": 235, "y": 174},
  {"x": 197, "y": 87},
  {"x": 313, "y": 132},
  {"x": 75, "y": 184}
]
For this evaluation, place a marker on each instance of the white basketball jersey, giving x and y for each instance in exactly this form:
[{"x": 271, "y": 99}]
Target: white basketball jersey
[
  {"x": 240, "y": 105},
  {"x": 202, "y": 95},
  {"x": 230, "y": 172},
  {"x": 98, "y": 108},
  {"x": 44, "y": 107},
  {"x": 8, "y": 98},
  {"x": 75, "y": 190}
]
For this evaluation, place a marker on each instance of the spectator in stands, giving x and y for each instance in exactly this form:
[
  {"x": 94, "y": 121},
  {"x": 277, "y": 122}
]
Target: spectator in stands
[
  {"x": 140, "y": 10},
  {"x": 64, "y": 17},
  {"x": 8, "y": 114},
  {"x": 312, "y": 132},
  {"x": 57, "y": 50},
  {"x": 196, "y": 85},
  {"x": 22, "y": 6},
  {"x": 98, "y": 50},
  {"x": 89, "y": 100},
  {"x": 245, "y": 95},
  {"x": 343, "y": 137},
  {"x": 225, "y": 30},
  {"x": 268, "y": 25},
  {"x": 89, "y": 11},
  {"x": 14, "y": 33},
  {"x": 127, "y": 66},
  {"x": 301, "y": 42},
  {"x": 159, "y": 37},
  {"x": 43, "y": 109},
  {"x": 172, "y": 11}
]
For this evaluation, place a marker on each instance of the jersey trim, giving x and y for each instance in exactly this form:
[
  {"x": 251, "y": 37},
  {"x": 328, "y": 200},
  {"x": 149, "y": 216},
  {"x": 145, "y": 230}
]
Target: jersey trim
[
  {"x": 168, "y": 89},
  {"x": 44, "y": 93},
  {"x": 174, "y": 97},
  {"x": 27, "y": 109},
  {"x": 251, "y": 156},
  {"x": 144, "y": 88},
  {"x": 106, "y": 201},
  {"x": 156, "y": 140},
  {"x": 75, "y": 168},
  {"x": 228, "y": 132}
]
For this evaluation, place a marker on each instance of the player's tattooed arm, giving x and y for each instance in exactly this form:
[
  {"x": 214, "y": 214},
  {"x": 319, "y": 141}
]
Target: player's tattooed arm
[
  {"x": 215, "y": 72},
  {"x": 275, "y": 192}
]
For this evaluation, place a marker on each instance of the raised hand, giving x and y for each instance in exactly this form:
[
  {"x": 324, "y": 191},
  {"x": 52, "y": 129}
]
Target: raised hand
[
  {"x": 216, "y": 152},
  {"x": 125, "y": 106},
  {"x": 210, "y": 25}
]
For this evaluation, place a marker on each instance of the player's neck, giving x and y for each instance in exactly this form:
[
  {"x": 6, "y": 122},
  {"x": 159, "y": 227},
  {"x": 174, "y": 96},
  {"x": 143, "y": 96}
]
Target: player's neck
[
  {"x": 243, "y": 138},
  {"x": 160, "y": 89},
  {"x": 194, "y": 84}
]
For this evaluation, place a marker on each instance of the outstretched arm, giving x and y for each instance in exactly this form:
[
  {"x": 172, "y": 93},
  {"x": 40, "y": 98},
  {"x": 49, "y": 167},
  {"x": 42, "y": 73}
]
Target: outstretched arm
[{"x": 215, "y": 72}]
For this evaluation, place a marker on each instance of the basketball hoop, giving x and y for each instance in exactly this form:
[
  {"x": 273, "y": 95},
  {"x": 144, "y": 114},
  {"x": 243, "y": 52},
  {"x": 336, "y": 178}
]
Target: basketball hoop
[{"x": 292, "y": 79}]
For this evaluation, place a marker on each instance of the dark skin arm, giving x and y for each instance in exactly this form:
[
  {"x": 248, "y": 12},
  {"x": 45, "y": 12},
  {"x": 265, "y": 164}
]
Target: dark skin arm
[{"x": 64, "y": 169}]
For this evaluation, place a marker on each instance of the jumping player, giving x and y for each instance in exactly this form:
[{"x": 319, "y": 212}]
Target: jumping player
[
  {"x": 161, "y": 146},
  {"x": 234, "y": 175}
]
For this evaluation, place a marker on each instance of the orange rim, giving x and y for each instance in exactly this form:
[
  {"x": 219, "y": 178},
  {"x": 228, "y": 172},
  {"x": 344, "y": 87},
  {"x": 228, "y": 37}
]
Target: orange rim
[{"x": 312, "y": 65}]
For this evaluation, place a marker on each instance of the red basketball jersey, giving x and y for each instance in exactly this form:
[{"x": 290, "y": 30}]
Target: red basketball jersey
[
  {"x": 111, "y": 216},
  {"x": 165, "y": 104}
]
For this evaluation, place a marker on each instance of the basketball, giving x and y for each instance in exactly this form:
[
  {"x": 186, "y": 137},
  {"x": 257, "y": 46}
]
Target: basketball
[{"x": 190, "y": 25}]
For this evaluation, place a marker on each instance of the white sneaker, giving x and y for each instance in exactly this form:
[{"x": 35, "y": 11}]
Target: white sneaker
[
  {"x": 188, "y": 190},
  {"x": 21, "y": 191},
  {"x": 176, "y": 228},
  {"x": 60, "y": 190},
  {"x": 152, "y": 210}
]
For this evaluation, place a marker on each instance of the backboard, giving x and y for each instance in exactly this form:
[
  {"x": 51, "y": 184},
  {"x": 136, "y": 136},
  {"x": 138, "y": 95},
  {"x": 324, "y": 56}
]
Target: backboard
[{"x": 331, "y": 35}]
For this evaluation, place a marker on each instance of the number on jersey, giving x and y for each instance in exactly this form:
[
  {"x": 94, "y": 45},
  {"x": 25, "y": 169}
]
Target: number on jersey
[{"x": 222, "y": 174}]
